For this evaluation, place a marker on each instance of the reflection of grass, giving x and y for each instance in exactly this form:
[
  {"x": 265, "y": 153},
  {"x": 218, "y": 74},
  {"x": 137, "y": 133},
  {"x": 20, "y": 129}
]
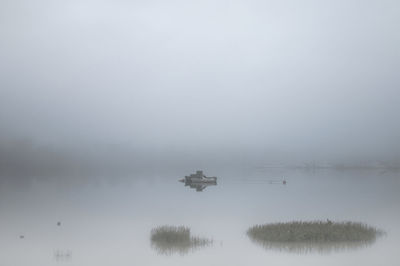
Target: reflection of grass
[
  {"x": 313, "y": 236},
  {"x": 172, "y": 239}
]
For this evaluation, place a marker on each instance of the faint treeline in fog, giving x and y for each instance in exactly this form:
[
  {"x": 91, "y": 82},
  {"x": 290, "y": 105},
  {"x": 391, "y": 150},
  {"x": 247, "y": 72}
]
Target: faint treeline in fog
[
  {"x": 26, "y": 158},
  {"x": 392, "y": 164}
]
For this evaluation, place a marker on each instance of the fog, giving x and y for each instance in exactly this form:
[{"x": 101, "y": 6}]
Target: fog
[{"x": 127, "y": 84}]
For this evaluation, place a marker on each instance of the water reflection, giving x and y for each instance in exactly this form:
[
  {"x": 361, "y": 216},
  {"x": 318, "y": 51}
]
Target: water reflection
[
  {"x": 169, "y": 240},
  {"x": 121, "y": 210},
  {"x": 199, "y": 186},
  {"x": 62, "y": 255},
  {"x": 313, "y": 247}
]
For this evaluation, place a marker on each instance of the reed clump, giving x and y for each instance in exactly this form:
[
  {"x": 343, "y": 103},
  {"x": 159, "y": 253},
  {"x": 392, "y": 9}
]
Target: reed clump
[
  {"x": 315, "y": 231},
  {"x": 315, "y": 236},
  {"x": 175, "y": 239}
]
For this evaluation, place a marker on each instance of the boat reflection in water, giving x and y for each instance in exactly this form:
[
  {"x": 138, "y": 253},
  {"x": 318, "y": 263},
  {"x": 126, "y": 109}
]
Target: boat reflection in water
[
  {"x": 199, "y": 186},
  {"x": 199, "y": 181}
]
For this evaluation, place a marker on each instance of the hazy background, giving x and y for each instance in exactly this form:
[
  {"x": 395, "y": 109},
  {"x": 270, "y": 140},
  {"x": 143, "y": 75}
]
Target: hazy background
[{"x": 123, "y": 85}]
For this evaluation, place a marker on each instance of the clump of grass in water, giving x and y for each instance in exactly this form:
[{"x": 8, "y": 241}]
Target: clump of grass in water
[
  {"x": 175, "y": 239},
  {"x": 319, "y": 236}
]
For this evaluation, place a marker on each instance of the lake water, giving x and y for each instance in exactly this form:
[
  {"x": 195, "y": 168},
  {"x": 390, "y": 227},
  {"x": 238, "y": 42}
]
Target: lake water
[{"x": 107, "y": 220}]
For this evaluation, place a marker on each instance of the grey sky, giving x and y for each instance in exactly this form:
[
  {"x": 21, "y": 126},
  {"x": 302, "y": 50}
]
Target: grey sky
[{"x": 298, "y": 76}]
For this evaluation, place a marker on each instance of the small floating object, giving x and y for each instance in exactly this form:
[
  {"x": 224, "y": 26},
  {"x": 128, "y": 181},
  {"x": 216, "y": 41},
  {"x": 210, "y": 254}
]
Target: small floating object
[
  {"x": 58, "y": 223},
  {"x": 284, "y": 182},
  {"x": 21, "y": 236}
]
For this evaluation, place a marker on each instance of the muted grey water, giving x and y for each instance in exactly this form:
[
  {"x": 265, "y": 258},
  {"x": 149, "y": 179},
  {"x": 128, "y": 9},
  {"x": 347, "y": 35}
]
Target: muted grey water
[{"x": 108, "y": 220}]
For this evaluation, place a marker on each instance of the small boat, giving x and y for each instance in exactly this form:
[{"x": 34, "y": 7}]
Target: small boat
[{"x": 199, "y": 177}]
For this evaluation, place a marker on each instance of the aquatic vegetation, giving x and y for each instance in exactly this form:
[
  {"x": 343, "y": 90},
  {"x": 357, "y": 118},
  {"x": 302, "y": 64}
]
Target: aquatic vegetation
[
  {"x": 299, "y": 236},
  {"x": 313, "y": 231},
  {"x": 175, "y": 239}
]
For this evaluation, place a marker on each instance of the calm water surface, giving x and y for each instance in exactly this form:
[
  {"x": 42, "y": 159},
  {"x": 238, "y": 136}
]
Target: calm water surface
[{"x": 107, "y": 221}]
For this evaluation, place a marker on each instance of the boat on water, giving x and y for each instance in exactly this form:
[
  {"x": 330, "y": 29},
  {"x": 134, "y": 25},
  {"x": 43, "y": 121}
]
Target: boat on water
[{"x": 199, "y": 177}]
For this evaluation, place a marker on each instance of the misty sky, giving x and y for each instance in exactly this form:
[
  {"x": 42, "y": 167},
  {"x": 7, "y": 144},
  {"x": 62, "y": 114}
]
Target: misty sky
[{"x": 298, "y": 76}]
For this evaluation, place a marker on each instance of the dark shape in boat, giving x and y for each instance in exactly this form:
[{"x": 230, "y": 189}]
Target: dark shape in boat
[
  {"x": 317, "y": 236},
  {"x": 199, "y": 177},
  {"x": 199, "y": 181}
]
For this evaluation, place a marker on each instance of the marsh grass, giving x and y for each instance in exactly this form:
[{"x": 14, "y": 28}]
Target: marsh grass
[
  {"x": 303, "y": 237},
  {"x": 175, "y": 239}
]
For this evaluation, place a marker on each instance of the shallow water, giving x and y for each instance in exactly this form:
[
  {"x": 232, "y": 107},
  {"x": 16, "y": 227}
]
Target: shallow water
[{"x": 107, "y": 221}]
